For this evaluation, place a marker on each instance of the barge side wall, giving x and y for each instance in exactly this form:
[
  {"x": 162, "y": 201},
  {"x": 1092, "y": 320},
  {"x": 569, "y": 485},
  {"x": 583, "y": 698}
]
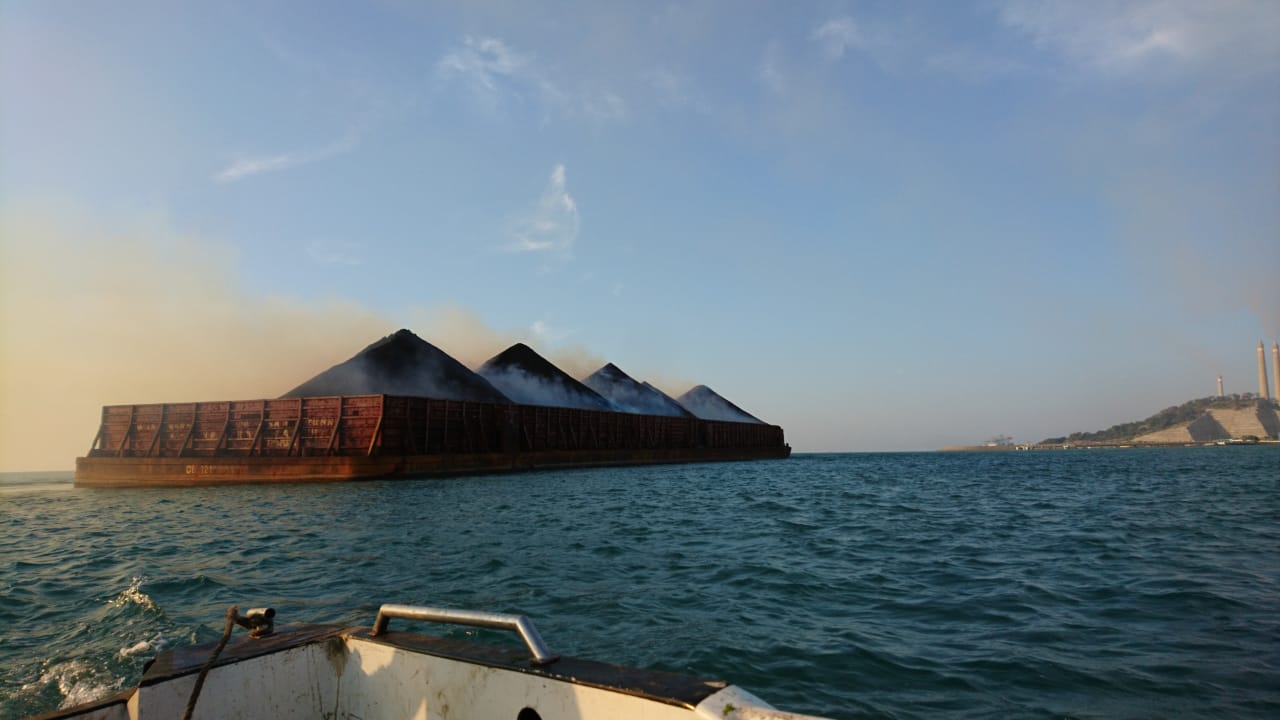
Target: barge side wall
[{"x": 319, "y": 439}]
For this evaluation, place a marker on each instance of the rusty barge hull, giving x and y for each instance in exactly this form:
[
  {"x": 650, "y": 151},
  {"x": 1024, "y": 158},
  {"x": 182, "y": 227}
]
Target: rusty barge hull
[
  {"x": 341, "y": 438},
  {"x": 173, "y": 472}
]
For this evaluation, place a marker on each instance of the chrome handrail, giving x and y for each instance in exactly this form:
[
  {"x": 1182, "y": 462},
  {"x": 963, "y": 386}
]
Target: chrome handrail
[{"x": 500, "y": 621}]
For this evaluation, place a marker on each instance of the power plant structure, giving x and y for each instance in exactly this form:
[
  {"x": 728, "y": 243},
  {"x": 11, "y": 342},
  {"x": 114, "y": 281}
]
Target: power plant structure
[
  {"x": 1263, "y": 392},
  {"x": 1275, "y": 370},
  {"x": 1219, "y": 385}
]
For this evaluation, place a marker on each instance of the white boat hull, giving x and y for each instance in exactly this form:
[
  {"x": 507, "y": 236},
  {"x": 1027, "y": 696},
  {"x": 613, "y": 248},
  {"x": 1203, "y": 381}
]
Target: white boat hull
[{"x": 314, "y": 671}]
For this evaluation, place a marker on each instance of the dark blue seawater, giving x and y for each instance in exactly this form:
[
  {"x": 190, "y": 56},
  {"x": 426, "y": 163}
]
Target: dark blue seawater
[{"x": 1088, "y": 584}]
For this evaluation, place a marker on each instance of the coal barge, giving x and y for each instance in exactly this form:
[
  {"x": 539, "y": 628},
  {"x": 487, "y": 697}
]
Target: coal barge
[{"x": 397, "y": 425}]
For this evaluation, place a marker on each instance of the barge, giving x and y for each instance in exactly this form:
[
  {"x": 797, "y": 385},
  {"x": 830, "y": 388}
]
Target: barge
[{"x": 356, "y": 437}]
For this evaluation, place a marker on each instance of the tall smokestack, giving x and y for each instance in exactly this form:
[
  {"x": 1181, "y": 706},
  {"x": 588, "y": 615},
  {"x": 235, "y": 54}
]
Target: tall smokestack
[
  {"x": 1275, "y": 371},
  {"x": 1262, "y": 372},
  {"x": 1219, "y": 386}
]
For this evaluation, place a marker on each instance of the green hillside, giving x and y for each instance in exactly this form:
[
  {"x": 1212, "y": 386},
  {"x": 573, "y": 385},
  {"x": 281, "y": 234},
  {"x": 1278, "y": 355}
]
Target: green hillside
[{"x": 1167, "y": 418}]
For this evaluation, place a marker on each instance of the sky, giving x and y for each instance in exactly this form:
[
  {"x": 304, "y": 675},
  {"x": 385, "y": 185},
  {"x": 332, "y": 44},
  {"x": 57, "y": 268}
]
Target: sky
[{"x": 881, "y": 225}]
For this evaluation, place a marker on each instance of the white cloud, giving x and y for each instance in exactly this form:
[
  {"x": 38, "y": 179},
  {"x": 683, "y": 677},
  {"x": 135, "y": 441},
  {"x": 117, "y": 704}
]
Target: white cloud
[
  {"x": 484, "y": 63},
  {"x": 494, "y": 73},
  {"x": 1123, "y": 37},
  {"x": 836, "y": 36},
  {"x": 245, "y": 167},
  {"x": 546, "y": 333},
  {"x": 553, "y": 223},
  {"x": 249, "y": 166}
]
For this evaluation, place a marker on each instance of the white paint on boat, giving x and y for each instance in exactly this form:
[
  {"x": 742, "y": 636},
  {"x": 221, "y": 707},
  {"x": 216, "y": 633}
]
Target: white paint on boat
[{"x": 348, "y": 674}]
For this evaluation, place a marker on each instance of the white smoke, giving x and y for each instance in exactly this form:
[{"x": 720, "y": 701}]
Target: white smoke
[
  {"x": 629, "y": 396},
  {"x": 708, "y": 405},
  {"x": 529, "y": 389}
]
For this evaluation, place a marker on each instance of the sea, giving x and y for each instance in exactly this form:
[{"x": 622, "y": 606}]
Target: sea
[{"x": 1123, "y": 583}]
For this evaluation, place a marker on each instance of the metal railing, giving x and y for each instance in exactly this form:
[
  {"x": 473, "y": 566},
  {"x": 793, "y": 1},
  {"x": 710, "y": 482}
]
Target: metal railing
[{"x": 519, "y": 623}]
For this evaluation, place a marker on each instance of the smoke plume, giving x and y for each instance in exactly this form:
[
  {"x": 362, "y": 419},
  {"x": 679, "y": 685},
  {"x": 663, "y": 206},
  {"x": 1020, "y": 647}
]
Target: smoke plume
[
  {"x": 528, "y": 378},
  {"x": 464, "y": 335},
  {"x": 92, "y": 316}
]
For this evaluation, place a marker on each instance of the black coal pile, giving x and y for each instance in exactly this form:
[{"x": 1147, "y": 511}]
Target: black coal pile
[
  {"x": 669, "y": 398},
  {"x": 401, "y": 364},
  {"x": 708, "y": 405},
  {"x": 530, "y": 379},
  {"x": 628, "y": 395}
]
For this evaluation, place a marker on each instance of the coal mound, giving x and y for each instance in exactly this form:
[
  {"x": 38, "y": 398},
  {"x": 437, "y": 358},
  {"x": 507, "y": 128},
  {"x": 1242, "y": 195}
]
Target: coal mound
[
  {"x": 401, "y": 364},
  {"x": 630, "y": 396},
  {"x": 528, "y": 378},
  {"x": 705, "y": 403}
]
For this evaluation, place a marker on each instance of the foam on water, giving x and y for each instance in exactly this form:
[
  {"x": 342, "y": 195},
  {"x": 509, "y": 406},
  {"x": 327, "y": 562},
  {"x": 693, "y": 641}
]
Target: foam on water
[
  {"x": 150, "y": 646},
  {"x": 133, "y": 595},
  {"x": 77, "y": 681}
]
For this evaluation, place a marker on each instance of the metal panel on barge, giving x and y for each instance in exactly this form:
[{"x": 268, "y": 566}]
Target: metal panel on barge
[{"x": 319, "y": 439}]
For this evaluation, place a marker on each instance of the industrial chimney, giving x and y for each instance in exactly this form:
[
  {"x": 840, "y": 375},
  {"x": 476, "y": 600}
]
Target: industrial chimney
[
  {"x": 1262, "y": 372},
  {"x": 1275, "y": 371},
  {"x": 1219, "y": 386}
]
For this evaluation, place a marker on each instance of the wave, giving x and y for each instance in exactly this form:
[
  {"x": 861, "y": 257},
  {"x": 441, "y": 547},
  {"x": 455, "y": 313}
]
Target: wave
[
  {"x": 133, "y": 595},
  {"x": 77, "y": 681},
  {"x": 904, "y": 586}
]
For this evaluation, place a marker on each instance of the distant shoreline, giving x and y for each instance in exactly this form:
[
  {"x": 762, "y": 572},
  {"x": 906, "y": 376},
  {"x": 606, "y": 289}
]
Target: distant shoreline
[{"x": 1100, "y": 446}]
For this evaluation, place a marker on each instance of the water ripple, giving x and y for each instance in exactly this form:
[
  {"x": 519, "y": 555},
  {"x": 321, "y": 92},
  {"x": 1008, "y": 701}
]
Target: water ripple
[{"x": 1110, "y": 584}]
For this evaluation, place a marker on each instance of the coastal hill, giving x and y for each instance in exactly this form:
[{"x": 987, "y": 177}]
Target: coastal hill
[{"x": 1203, "y": 420}]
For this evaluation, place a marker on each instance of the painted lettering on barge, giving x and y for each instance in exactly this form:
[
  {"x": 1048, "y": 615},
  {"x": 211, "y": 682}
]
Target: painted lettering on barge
[{"x": 209, "y": 469}]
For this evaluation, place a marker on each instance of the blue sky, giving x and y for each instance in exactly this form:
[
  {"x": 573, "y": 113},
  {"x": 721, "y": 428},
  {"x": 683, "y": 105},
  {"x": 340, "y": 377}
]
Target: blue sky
[{"x": 881, "y": 225}]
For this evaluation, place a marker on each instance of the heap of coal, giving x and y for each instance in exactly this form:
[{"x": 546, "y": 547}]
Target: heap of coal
[
  {"x": 668, "y": 397},
  {"x": 705, "y": 403},
  {"x": 630, "y": 396},
  {"x": 528, "y": 378},
  {"x": 401, "y": 364}
]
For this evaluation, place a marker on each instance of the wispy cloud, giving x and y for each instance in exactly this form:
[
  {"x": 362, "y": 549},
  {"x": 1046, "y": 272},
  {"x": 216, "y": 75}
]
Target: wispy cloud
[
  {"x": 836, "y": 36},
  {"x": 495, "y": 73},
  {"x": 245, "y": 167},
  {"x": 548, "y": 333},
  {"x": 1123, "y": 37},
  {"x": 486, "y": 63},
  {"x": 336, "y": 253},
  {"x": 552, "y": 226}
]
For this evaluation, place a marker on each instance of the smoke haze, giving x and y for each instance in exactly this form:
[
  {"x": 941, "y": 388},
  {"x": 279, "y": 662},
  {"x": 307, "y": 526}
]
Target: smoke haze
[
  {"x": 465, "y": 336},
  {"x": 90, "y": 317},
  {"x": 94, "y": 314},
  {"x": 630, "y": 396}
]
